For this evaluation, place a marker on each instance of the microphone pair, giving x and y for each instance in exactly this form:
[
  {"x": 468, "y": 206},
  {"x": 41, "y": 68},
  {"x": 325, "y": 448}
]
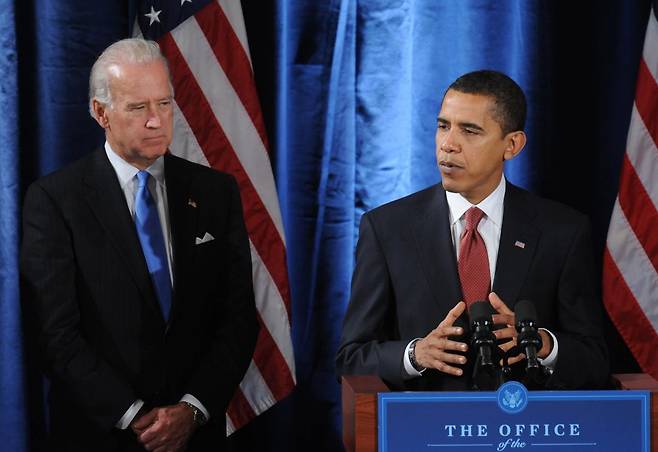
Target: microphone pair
[{"x": 487, "y": 373}]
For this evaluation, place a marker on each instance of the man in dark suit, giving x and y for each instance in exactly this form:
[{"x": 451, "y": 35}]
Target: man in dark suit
[
  {"x": 422, "y": 259},
  {"x": 137, "y": 276}
]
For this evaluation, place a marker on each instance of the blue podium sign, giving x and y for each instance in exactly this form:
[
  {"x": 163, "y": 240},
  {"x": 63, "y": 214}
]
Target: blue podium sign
[{"x": 514, "y": 419}]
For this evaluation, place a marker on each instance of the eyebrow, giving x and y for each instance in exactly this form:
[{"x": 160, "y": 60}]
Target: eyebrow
[
  {"x": 463, "y": 125},
  {"x": 144, "y": 102}
]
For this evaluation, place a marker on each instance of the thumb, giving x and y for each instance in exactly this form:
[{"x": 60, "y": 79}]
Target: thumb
[{"x": 144, "y": 421}]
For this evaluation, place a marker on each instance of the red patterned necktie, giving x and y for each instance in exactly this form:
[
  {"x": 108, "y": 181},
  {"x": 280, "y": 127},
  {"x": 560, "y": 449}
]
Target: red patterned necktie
[{"x": 473, "y": 260}]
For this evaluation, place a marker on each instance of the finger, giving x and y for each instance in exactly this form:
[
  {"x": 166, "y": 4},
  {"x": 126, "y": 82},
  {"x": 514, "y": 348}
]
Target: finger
[
  {"x": 452, "y": 358},
  {"x": 442, "y": 332},
  {"x": 157, "y": 443},
  {"x": 499, "y": 305},
  {"x": 150, "y": 434},
  {"x": 507, "y": 346},
  {"x": 454, "y": 345},
  {"x": 506, "y": 333},
  {"x": 516, "y": 359},
  {"x": 503, "y": 319},
  {"x": 442, "y": 366},
  {"x": 145, "y": 420},
  {"x": 453, "y": 314}
]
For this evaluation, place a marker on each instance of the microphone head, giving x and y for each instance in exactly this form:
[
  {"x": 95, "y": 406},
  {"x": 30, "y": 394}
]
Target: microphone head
[
  {"x": 525, "y": 311},
  {"x": 481, "y": 311}
]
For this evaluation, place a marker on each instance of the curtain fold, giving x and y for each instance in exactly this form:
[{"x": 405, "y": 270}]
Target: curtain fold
[{"x": 13, "y": 420}]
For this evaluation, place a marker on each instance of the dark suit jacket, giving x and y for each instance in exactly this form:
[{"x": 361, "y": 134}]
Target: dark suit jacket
[
  {"x": 100, "y": 330},
  {"x": 406, "y": 281}
]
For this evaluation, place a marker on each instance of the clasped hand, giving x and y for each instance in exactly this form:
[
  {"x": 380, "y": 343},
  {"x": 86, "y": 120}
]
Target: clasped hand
[{"x": 165, "y": 429}]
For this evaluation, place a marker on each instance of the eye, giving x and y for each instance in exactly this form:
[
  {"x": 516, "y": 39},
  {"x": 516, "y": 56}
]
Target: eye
[
  {"x": 470, "y": 132},
  {"x": 442, "y": 126}
]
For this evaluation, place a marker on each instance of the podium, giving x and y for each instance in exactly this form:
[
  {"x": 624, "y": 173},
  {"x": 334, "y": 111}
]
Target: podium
[{"x": 359, "y": 399}]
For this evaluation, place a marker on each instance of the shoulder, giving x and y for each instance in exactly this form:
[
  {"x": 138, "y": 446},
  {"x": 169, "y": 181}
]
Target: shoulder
[
  {"x": 410, "y": 205},
  {"x": 68, "y": 179},
  {"x": 200, "y": 174},
  {"x": 546, "y": 213}
]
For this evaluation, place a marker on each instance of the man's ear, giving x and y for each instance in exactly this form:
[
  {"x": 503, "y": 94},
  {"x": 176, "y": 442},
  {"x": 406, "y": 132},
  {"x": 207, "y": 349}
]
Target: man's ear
[
  {"x": 100, "y": 113},
  {"x": 515, "y": 142}
]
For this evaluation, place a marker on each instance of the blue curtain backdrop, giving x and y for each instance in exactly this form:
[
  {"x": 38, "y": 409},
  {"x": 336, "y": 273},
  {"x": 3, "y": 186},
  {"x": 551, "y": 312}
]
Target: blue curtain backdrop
[
  {"x": 12, "y": 415},
  {"x": 350, "y": 92}
]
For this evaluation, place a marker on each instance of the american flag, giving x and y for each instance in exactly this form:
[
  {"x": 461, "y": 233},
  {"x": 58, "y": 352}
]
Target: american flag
[
  {"x": 218, "y": 123},
  {"x": 630, "y": 262}
]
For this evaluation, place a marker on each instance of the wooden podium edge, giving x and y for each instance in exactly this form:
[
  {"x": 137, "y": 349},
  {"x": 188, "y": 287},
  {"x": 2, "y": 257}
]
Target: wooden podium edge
[{"x": 359, "y": 398}]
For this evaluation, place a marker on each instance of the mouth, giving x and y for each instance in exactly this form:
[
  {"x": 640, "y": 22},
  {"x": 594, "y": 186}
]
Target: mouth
[{"x": 445, "y": 164}]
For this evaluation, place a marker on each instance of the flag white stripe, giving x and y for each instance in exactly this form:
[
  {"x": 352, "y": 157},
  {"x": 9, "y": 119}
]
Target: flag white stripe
[
  {"x": 230, "y": 428},
  {"x": 633, "y": 263},
  {"x": 255, "y": 389},
  {"x": 650, "y": 51},
  {"x": 273, "y": 311},
  {"x": 233, "y": 12},
  {"x": 231, "y": 114},
  {"x": 643, "y": 154},
  {"x": 184, "y": 142}
]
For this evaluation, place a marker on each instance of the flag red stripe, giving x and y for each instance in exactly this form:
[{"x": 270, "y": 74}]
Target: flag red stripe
[
  {"x": 629, "y": 318},
  {"x": 276, "y": 373},
  {"x": 639, "y": 210},
  {"x": 233, "y": 59},
  {"x": 221, "y": 155},
  {"x": 646, "y": 100},
  {"x": 239, "y": 410}
]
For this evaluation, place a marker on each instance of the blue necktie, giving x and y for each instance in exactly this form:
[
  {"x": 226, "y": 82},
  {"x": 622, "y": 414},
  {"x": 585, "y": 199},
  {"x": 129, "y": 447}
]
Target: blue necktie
[{"x": 149, "y": 232}]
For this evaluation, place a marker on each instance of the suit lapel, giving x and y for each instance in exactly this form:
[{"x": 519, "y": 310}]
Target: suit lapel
[
  {"x": 434, "y": 244},
  {"x": 518, "y": 242},
  {"x": 183, "y": 217},
  {"x": 107, "y": 201}
]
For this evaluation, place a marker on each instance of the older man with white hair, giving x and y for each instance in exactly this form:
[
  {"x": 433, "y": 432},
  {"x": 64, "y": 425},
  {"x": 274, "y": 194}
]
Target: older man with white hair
[{"x": 137, "y": 275}]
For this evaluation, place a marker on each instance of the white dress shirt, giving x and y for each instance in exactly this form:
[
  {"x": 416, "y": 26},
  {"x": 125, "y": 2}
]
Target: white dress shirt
[
  {"x": 489, "y": 228},
  {"x": 127, "y": 176}
]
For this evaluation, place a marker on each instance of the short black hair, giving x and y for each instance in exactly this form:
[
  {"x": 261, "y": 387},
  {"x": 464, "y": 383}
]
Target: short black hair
[{"x": 509, "y": 101}]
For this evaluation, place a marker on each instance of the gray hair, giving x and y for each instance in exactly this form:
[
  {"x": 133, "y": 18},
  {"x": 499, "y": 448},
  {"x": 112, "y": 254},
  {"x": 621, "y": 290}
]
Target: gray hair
[{"x": 132, "y": 50}]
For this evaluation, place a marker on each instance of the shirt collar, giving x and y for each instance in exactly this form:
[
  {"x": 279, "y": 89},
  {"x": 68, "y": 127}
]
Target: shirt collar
[
  {"x": 126, "y": 172},
  {"x": 492, "y": 205}
]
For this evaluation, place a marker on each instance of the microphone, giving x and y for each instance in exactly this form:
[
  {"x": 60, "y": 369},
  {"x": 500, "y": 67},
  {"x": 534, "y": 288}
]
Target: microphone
[
  {"x": 528, "y": 340},
  {"x": 483, "y": 341}
]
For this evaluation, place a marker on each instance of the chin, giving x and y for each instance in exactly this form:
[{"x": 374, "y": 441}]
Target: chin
[{"x": 450, "y": 185}]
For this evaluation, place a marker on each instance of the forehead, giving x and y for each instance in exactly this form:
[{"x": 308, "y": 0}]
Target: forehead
[
  {"x": 148, "y": 80},
  {"x": 463, "y": 107}
]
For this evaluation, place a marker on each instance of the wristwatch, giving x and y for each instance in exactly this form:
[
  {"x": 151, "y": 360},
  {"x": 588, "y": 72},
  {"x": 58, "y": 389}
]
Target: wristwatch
[
  {"x": 199, "y": 417},
  {"x": 412, "y": 357}
]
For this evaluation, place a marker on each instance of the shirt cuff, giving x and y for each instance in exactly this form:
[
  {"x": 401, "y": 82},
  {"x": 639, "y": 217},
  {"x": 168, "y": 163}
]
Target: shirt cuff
[
  {"x": 189, "y": 398},
  {"x": 551, "y": 360},
  {"x": 408, "y": 368},
  {"x": 130, "y": 414}
]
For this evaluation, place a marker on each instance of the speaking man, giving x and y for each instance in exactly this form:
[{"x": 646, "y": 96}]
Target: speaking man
[
  {"x": 424, "y": 259},
  {"x": 137, "y": 276}
]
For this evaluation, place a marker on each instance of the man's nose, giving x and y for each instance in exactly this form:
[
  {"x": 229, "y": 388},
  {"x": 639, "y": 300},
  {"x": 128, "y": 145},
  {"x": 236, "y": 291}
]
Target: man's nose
[
  {"x": 154, "y": 120},
  {"x": 448, "y": 143}
]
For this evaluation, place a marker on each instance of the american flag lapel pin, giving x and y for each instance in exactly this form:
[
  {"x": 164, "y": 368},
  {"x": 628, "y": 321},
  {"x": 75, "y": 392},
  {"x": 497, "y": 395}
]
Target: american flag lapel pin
[
  {"x": 191, "y": 202},
  {"x": 519, "y": 244}
]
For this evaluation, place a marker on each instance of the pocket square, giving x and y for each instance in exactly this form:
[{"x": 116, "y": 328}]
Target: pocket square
[{"x": 207, "y": 237}]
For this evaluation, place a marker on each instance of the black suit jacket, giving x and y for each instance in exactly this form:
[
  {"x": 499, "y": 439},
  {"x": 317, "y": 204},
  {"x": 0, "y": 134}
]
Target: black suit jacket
[
  {"x": 89, "y": 296},
  {"x": 406, "y": 281}
]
